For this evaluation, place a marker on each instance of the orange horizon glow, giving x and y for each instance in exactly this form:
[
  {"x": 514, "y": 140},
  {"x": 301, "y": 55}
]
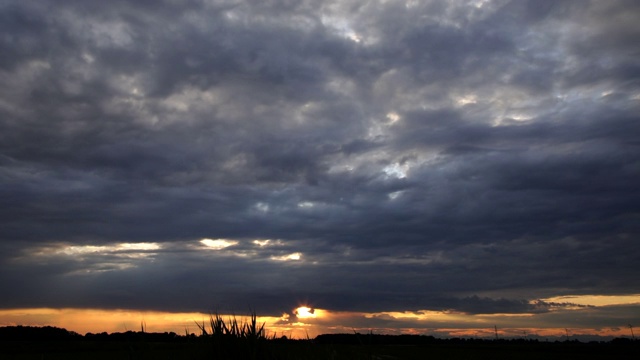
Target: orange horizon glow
[
  {"x": 307, "y": 323},
  {"x": 597, "y": 300}
]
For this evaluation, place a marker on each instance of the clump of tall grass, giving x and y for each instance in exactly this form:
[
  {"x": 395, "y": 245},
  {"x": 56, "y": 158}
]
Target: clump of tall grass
[
  {"x": 233, "y": 339},
  {"x": 246, "y": 339}
]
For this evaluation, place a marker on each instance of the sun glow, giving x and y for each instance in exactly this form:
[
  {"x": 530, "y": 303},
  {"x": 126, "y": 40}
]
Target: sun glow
[{"x": 304, "y": 312}]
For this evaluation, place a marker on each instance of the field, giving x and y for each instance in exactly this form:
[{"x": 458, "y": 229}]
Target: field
[
  {"x": 247, "y": 341},
  {"x": 303, "y": 349}
]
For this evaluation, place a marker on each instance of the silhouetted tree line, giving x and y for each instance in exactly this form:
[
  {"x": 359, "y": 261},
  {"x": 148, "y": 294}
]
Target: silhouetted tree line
[
  {"x": 374, "y": 339},
  {"x": 34, "y": 333},
  {"x": 50, "y": 333},
  {"x": 135, "y": 336},
  {"x": 380, "y": 339}
]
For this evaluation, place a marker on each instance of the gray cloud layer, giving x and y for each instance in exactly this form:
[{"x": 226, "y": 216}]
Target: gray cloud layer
[{"x": 418, "y": 155}]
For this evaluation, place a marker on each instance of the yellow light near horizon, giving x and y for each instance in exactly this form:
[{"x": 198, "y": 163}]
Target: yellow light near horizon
[
  {"x": 308, "y": 322},
  {"x": 120, "y": 320},
  {"x": 596, "y": 300},
  {"x": 97, "y": 321},
  {"x": 304, "y": 312}
]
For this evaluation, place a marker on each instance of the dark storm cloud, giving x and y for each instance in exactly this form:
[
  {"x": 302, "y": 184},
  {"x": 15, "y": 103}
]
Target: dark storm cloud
[{"x": 417, "y": 155}]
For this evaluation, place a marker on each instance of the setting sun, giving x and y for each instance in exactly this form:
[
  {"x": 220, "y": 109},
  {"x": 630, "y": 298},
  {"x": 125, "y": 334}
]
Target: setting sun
[{"x": 304, "y": 312}]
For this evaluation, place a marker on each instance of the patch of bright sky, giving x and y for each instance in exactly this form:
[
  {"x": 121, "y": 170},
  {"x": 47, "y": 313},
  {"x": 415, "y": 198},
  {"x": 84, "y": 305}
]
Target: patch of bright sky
[
  {"x": 302, "y": 114},
  {"x": 128, "y": 85},
  {"x": 268, "y": 242},
  {"x": 38, "y": 65},
  {"x": 466, "y": 99},
  {"x": 480, "y": 10},
  {"x": 396, "y": 170},
  {"x": 306, "y": 204},
  {"x": 88, "y": 58},
  {"x": 370, "y": 163},
  {"x": 193, "y": 99},
  {"x": 227, "y": 247},
  {"x": 394, "y": 195},
  {"x": 125, "y": 249},
  {"x": 433, "y": 317},
  {"x": 379, "y": 129},
  {"x": 342, "y": 85},
  {"x": 110, "y": 34},
  {"x": 262, "y": 243},
  {"x": 289, "y": 257},
  {"x": 479, "y": 3},
  {"x": 520, "y": 116},
  {"x": 588, "y": 92},
  {"x": 121, "y": 255},
  {"x": 508, "y": 105},
  {"x": 596, "y": 300},
  {"x": 393, "y": 117},
  {"x": 139, "y": 246},
  {"x": 341, "y": 26},
  {"x": 262, "y": 207},
  {"x": 218, "y": 244}
]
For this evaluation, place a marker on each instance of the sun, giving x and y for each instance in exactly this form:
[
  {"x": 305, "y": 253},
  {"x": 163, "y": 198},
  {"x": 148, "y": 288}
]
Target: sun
[{"x": 304, "y": 312}]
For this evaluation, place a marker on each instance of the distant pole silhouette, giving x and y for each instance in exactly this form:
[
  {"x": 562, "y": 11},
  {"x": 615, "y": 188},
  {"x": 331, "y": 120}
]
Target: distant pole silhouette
[
  {"x": 632, "y": 335},
  {"x": 567, "y": 331},
  {"x": 495, "y": 328}
]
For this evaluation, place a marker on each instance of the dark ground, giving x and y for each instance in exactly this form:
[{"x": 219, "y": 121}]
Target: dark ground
[{"x": 52, "y": 343}]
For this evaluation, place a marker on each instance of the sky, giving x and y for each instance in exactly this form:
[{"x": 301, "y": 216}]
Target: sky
[{"x": 431, "y": 167}]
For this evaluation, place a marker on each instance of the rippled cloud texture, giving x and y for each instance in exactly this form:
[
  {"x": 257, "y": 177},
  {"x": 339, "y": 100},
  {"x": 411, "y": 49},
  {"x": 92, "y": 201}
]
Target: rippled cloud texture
[{"x": 472, "y": 157}]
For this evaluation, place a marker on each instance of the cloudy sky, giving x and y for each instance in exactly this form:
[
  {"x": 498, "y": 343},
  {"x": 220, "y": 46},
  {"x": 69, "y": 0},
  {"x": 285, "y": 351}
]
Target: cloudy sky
[{"x": 396, "y": 165}]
